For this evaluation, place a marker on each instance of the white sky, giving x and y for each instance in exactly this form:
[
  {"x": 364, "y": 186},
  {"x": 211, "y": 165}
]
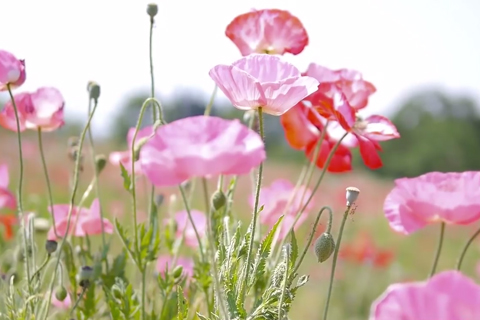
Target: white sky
[{"x": 397, "y": 44}]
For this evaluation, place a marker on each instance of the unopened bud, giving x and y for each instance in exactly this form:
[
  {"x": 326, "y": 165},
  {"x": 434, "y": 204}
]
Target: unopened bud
[
  {"x": 117, "y": 293},
  {"x": 51, "y": 246},
  {"x": 324, "y": 247},
  {"x": 60, "y": 293},
  {"x": 100, "y": 162},
  {"x": 138, "y": 147},
  {"x": 93, "y": 90},
  {"x": 159, "y": 198},
  {"x": 218, "y": 200},
  {"x": 41, "y": 225},
  {"x": 85, "y": 276},
  {"x": 177, "y": 272},
  {"x": 351, "y": 195},
  {"x": 152, "y": 10}
]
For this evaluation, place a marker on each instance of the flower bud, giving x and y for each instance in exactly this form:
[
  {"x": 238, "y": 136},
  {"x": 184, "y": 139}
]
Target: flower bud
[
  {"x": 159, "y": 198},
  {"x": 324, "y": 247},
  {"x": 117, "y": 293},
  {"x": 51, "y": 246},
  {"x": 41, "y": 224},
  {"x": 351, "y": 195},
  {"x": 177, "y": 272},
  {"x": 100, "y": 162},
  {"x": 85, "y": 276},
  {"x": 138, "y": 146},
  {"x": 152, "y": 10},
  {"x": 218, "y": 200},
  {"x": 93, "y": 90},
  {"x": 60, "y": 293}
]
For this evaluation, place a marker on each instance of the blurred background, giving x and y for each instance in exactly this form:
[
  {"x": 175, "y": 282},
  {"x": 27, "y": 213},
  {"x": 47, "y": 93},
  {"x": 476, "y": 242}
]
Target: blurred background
[{"x": 422, "y": 56}]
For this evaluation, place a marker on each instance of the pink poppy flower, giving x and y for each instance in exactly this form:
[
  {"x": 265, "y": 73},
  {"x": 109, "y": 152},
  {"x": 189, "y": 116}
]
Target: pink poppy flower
[
  {"x": 184, "y": 225},
  {"x": 452, "y": 197},
  {"x": 349, "y": 82},
  {"x": 12, "y": 71},
  {"x": 262, "y": 80},
  {"x": 40, "y": 109},
  {"x": 449, "y": 295},
  {"x": 269, "y": 31},
  {"x": 7, "y": 199},
  {"x": 124, "y": 157},
  {"x": 65, "y": 304},
  {"x": 83, "y": 221},
  {"x": 200, "y": 147},
  {"x": 275, "y": 199},
  {"x": 164, "y": 263}
]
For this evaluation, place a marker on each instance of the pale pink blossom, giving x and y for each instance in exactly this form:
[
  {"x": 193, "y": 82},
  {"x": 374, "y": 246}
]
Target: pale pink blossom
[
  {"x": 200, "y": 147},
  {"x": 452, "y": 197},
  {"x": 12, "y": 71},
  {"x": 41, "y": 109},
  {"x": 184, "y": 226},
  {"x": 7, "y": 199},
  {"x": 83, "y": 221},
  {"x": 262, "y": 80},
  {"x": 449, "y": 295},
  {"x": 124, "y": 157},
  {"x": 269, "y": 31},
  {"x": 275, "y": 200}
]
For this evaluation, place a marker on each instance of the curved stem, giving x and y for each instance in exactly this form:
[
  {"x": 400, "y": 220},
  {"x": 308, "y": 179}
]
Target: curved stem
[
  {"x": 187, "y": 208},
  {"x": 334, "y": 262},
  {"x": 80, "y": 297},
  {"x": 255, "y": 210},
  {"x": 20, "y": 189},
  {"x": 42, "y": 266},
  {"x": 47, "y": 179},
  {"x": 465, "y": 248},
  {"x": 208, "y": 109},
  {"x": 312, "y": 234},
  {"x": 96, "y": 183},
  {"x": 439, "y": 249}
]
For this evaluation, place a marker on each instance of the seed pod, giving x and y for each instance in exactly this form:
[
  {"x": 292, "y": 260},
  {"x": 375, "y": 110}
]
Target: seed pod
[
  {"x": 85, "y": 276},
  {"x": 60, "y": 293},
  {"x": 324, "y": 247},
  {"x": 51, "y": 246},
  {"x": 152, "y": 10}
]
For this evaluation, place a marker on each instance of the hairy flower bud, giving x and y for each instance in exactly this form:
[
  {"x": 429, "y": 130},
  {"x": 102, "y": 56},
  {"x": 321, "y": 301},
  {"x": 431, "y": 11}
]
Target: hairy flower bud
[
  {"x": 93, "y": 90},
  {"x": 324, "y": 247},
  {"x": 51, "y": 246},
  {"x": 60, "y": 293},
  {"x": 218, "y": 200},
  {"x": 177, "y": 272},
  {"x": 100, "y": 162}
]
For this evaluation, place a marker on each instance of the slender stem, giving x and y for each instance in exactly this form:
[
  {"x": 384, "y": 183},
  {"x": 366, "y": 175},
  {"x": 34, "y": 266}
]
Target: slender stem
[
  {"x": 96, "y": 183},
  {"x": 20, "y": 190},
  {"x": 205, "y": 194},
  {"x": 284, "y": 284},
  {"x": 42, "y": 266},
  {"x": 187, "y": 208},
  {"x": 255, "y": 210},
  {"x": 465, "y": 248},
  {"x": 47, "y": 179},
  {"x": 208, "y": 109},
  {"x": 439, "y": 249},
  {"x": 80, "y": 297},
  {"x": 334, "y": 262},
  {"x": 72, "y": 202},
  {"x": 152, "y": 78},
  {"x": 144, "y": 296},
  {"x": 312, "y": 234}
]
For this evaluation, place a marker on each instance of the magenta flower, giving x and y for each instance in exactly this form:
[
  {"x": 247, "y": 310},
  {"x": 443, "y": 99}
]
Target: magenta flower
[
  {"x": 446, "y": 296},
  {"x": 12, "y": 71},
  {"x": 262, "y": 80},
  {"x": 40, "y": 109},
  {"x": 7, "y": 199},
  {"x": 83, "y": 221},
  {"x": 200, "y": 147},
  {"x": 453, "y": 198},
  {"x": 275, "y": 200},
  {"x": 164, "y": 263},
  {"x": 184, "y": 226},
  {"x": 124, "y": 157}
]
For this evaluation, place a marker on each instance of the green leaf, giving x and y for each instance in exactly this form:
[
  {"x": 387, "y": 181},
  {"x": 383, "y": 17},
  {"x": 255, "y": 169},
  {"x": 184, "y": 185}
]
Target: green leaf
[
  {"x": 125, "y": 241},
  {"x": 202, "y": 317},
  {"x": 294, "y": 250},
  {"x": 182, "y": 305},
  {"x": 127, "y": 180}
]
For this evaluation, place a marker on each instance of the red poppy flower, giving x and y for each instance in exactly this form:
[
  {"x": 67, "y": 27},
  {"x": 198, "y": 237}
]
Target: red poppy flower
[
  {"x": 363, "y": 250},
  {"x": 8, "y": 221},
  {"x": 303, "y": 128}
]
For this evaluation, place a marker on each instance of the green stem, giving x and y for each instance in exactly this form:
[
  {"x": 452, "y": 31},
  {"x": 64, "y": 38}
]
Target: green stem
[
  {"x": 144, "y": 296},
  {"x": 80, "y": 297},
  {"x": 208, "y": 109},
  {"x": 47, "y": 179},
  {"x": 334, "y": 262},
  {"x": 439, "y": 249},
  {"x": 205, "y": 194},
  {"x": 312, "y": 234},
  {"x": 96, "y": 183},
  {"x": 72, "y": 202},
  {"x": 20, "y": 190},
  {"x": 41, "y": 267},
  {"x": 243, "y": 289},
  {"x": 465, "y": 248},
  {"x": 152, "y": 78},
  {"x": 187, "y": 208},
  {"x": 284, "y": 283}
]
